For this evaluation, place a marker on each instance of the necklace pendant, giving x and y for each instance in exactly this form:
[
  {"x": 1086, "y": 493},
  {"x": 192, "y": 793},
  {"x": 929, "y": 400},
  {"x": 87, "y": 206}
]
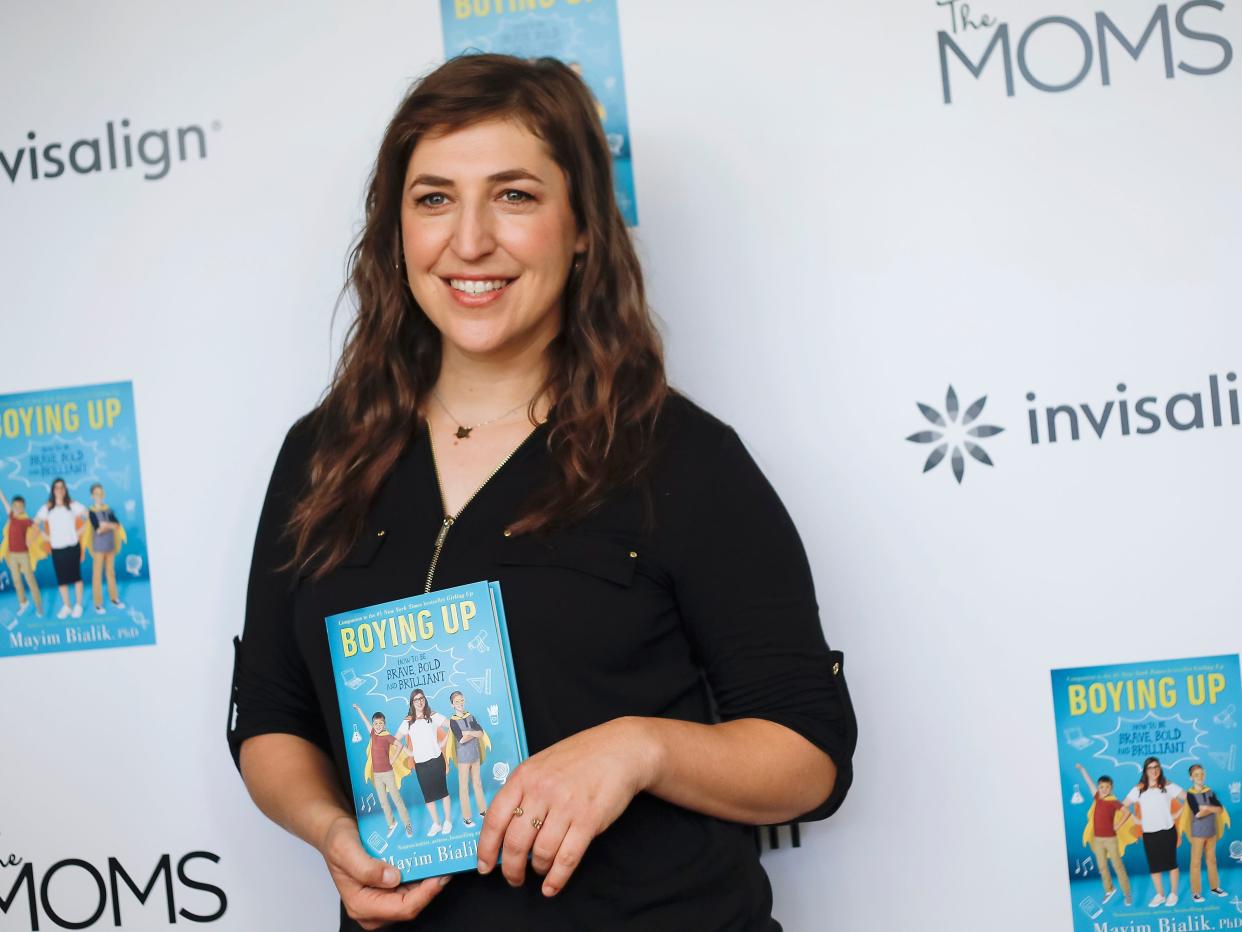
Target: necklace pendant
[{"x": 463, "y": 433}]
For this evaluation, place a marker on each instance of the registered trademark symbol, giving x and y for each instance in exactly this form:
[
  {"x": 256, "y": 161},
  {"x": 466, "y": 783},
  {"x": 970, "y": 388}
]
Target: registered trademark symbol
[{"x": 215, "y": 124}]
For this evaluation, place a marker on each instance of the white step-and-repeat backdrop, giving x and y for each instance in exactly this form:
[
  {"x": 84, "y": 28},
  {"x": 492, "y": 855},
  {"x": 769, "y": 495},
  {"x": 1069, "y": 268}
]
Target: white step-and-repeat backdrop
[{"x": 964, "y": 276}]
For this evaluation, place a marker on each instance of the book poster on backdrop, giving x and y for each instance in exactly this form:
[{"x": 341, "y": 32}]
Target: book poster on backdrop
[
  {"x": 74, "y": 573},
  {"x": 1151, "y": 793},
  {"x": 431, "y": 719},
  {"x": 584, "y": 34}
]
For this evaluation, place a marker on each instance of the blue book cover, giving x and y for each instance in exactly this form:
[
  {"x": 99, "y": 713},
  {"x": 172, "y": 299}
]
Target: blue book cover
[
  {"x": 1131, "y": 849},
  {"x": 584, "y": 35},
  {"x": 74, "y": 573},
  {"x": 432, "y": 722}
]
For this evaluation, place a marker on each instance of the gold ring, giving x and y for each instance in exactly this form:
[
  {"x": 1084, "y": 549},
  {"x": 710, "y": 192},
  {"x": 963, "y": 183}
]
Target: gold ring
[
  {"x": 537, "y": 823},
  {"x": 518, "y": 812}
]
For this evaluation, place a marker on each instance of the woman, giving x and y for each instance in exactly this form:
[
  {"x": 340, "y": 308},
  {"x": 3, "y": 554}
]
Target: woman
[
  {"x": 423, "y": 734},
  {"x": 63, "y": 521},
  {"x": 500, "y": 412},
  {"x": 1156, "y": 801}
]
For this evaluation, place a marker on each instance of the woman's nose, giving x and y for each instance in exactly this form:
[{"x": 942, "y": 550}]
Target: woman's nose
[{"x": 473, "y": 237}]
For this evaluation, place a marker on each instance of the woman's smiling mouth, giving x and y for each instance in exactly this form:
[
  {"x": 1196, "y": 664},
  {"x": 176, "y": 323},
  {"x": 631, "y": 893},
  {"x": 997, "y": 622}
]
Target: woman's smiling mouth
[{"x": 474, "y": 292}]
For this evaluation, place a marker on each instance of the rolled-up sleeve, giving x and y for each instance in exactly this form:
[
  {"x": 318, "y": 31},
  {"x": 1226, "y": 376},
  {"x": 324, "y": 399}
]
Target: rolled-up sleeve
[
  {"x": 271, "y": 689},
  {"x": 745, "y": 593}
]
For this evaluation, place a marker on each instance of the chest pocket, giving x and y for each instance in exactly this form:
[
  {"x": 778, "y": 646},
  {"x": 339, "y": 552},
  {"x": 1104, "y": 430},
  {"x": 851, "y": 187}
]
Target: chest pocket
[
  {"x": 366, "y": 549},
  {"x": 582, "y": 553},
  {"x": 363, "y": 553}
]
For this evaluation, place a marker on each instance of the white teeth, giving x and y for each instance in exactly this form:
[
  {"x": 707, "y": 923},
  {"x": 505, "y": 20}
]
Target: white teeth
[{"x": 470, "y": 286}]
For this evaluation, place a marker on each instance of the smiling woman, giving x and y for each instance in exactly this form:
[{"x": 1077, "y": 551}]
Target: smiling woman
[
  {"x": 477, "y": 238},
  {"x": 500, "y": 412}
]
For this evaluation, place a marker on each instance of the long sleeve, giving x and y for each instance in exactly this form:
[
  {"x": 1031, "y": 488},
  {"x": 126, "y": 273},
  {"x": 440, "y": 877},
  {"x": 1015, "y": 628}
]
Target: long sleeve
[
  {"x": 272, "y": 690},
  {"x": 746, "y": 596}
]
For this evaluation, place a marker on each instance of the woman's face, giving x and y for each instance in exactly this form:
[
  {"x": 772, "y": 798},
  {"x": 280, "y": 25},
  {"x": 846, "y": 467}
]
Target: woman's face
[
  {"x": 419, "y": 701},
  {"x": 1153, "y": 772},
  {"x": 97, "y": 494},
  {"x": 459, "y": 703},
  {"x": 488, "y": 237},
  {"x": 58, "y": 490}
]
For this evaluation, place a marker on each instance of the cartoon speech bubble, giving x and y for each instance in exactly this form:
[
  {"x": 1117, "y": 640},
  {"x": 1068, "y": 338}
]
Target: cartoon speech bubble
[
  {"x": 1170, "y": 738},
  {"x": 78, "y": 461},
  {"x": 431, "y": 669}
]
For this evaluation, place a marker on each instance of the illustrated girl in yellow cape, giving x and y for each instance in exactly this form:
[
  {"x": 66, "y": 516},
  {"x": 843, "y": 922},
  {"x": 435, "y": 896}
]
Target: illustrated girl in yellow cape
[{"x": 468, "y": 745}]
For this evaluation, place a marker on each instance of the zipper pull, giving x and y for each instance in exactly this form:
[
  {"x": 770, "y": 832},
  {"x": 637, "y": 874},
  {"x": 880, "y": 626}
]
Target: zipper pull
[{"x": 444, "y": 529}]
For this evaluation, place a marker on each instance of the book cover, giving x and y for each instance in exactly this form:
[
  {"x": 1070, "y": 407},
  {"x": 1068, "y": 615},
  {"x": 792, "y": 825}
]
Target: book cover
[
  {"x": 584, "y": 35},
  {"x": 432, "y": 722},
  {"x": 74, "y": 573},
  {"x": 1140, "y": 854}
]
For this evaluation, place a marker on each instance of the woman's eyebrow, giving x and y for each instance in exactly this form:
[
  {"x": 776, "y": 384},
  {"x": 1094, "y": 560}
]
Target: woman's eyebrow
[
  {"x": 509, "y": 174},
  {"x": 434, "y": 181},
  {"x": 514, "y": 174}
]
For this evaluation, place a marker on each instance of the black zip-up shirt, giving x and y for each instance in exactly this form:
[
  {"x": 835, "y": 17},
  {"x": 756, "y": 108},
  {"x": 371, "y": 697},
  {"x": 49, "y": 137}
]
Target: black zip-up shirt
[{"x": 690, "y": 599}]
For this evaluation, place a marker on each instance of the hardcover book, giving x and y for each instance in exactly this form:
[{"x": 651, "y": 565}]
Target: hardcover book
[
  {"x": 432, "y": 722},
  {"x": 1151, "y": 789}
]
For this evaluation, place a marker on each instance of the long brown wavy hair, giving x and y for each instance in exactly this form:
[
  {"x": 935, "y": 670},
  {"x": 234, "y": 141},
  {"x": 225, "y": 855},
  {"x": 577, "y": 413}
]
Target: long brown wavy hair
[{"x": 605, "y": 377}]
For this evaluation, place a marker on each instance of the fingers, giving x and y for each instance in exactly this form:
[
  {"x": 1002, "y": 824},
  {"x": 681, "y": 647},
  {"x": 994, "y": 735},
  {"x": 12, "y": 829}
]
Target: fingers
[
  {"x": 548, "y": 840},
  {"x": 495, "y": 823},
  {"x": 567, "y": 859},
  {"x": 519, "y": 838},
  {"x": 368, "y": 887},
  {"x": 372, "y": 908},
  {"x": 344, "y": 853}
]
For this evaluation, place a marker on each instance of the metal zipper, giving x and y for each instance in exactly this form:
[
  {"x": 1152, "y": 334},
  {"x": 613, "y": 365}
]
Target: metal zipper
[{"x": 450, "y": 520}]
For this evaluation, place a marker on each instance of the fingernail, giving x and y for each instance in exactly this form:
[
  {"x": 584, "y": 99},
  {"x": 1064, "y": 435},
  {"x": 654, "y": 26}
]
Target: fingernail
[
  {"x": 391, "y": 877},
  {"x": 484, "y": 867},
  {"x": 549, "y": 890},
  {"x": 445, "y": 879}
]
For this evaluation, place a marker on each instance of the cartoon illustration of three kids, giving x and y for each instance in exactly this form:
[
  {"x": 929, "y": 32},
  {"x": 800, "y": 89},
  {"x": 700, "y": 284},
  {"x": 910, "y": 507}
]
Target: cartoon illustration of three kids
[
  {"x": 1161, "y": 813},
  {"x": 427, "y": 743},
  {"x": 67, "y": 530}
]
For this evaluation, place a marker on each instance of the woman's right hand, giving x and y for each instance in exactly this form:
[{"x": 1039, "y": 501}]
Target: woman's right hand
[{"x": 370, "y": 889}]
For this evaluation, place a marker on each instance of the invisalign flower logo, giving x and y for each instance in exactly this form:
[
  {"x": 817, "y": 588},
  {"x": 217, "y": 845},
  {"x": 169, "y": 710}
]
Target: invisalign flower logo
[{"x": 954, "y": 434}]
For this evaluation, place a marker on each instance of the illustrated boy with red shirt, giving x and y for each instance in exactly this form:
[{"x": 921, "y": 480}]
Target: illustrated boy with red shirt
[
  {"x": 385, "y": 769},
  {"x": 1106, "y": 835},
  {"x": 17, "y": 554}
]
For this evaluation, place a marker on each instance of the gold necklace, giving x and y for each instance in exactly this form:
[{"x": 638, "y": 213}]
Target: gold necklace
[{"x": 463, "y": 432}]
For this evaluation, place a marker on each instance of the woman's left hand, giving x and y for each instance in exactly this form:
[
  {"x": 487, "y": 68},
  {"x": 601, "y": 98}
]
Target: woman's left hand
[{"x": 572, "y": 790}]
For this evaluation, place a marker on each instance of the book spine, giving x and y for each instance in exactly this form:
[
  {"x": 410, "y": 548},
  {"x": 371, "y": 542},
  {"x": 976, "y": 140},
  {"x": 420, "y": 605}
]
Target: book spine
[{"x": 510, "y": 671}]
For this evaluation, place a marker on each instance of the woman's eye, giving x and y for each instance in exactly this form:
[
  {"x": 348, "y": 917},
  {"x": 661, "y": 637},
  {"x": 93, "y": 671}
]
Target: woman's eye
[
  {"x": 434, "y": 199},
  {"x": 514, "y": 196}
]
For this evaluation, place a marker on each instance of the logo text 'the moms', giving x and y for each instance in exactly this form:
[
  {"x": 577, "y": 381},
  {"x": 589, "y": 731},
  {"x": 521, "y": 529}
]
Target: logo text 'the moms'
[{"x": 1097, "y": 38}]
